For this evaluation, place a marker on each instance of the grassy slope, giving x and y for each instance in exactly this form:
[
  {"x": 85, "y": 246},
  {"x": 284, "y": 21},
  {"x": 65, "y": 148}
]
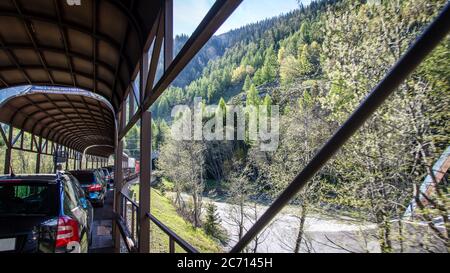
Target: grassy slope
[{"x": 163, "y": 209}]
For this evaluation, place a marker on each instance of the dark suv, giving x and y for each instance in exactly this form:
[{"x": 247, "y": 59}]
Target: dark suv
[
  {"x": 93, "y": 184},
  {"x": 44, "y": 213}
]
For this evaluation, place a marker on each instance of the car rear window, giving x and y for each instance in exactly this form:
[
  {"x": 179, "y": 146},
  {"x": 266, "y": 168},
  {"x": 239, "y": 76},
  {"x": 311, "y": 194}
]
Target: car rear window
[
  {"x": 84, "y": 178},
  {"x": 30, "y": 198}
]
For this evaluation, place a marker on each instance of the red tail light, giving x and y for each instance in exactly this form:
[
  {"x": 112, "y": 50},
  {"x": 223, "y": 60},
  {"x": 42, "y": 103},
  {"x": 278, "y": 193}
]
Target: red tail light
[
  {"x": 96, "y": 187},
  {"x": 67, "y": 231}
]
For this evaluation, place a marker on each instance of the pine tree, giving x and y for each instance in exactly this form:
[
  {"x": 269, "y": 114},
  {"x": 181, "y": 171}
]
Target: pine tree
[
  {"x": 212, "y": 223},
  {"x": 258, "y": 79},
  {"x": 268, "y": 103},
  {"x": 270, "y": 68},
  {"x": 222, "y": 106},
  {"x": 305, "y": 34},
  {"x": 163, "y": 107},
  {"x": 306, "y": 67},
  {"x": 253, "y": 96},
  {"x": 289, "y": 70},
  {"x": 247, "y": 83}
]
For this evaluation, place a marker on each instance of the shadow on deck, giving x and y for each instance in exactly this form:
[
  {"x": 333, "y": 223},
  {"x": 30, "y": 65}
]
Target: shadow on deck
[{"x": 102, "y": 241}]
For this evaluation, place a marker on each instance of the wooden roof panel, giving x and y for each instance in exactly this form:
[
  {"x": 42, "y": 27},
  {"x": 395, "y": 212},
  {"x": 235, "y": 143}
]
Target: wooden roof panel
[{"x": 66, "y": 38}]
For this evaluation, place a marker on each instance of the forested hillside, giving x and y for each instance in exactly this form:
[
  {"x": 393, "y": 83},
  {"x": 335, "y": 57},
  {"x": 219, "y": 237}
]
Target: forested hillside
[
  {"x": 222, "y": 66},
  {"x": 318, "y": 63}
]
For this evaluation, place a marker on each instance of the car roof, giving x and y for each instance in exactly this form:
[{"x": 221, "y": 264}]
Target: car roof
[
  {"x": 29, "y": 176},
  {"x": 82, "y": 171},
  {"x": 44, "y": 178}
]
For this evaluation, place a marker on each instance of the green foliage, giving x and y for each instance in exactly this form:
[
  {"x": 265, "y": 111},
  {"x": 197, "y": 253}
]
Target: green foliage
[
  {"x": 163, "y": 209},
  {"x": 251, "y": 51},
  {"x": 270, "y": 68},
  {"x": 289, "y": 70},
  {"x": 309, "y": 59},
  {"x": 305, "y": 33},
  {"x": 253, "y": 96},
  {"x": 132, "y": 142},
  {"x": 212, "y": 223},
  {"x": 247, "y": 84},
  {"x": 267, "y": 102},
  {"x": 258, "y": 78},
  {"x": 223, "y": 106}
]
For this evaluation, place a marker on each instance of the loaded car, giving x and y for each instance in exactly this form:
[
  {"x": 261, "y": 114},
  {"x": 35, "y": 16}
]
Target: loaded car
[
  {"x": 44, "y": 213},
  {"x": 102, "y": 175},
  {"x": 93, "y": 185},
  {"x": 108, "y": 176}
]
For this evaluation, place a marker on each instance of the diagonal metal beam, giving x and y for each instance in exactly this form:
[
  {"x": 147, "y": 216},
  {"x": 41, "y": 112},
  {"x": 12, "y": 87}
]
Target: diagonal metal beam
[
  {"x": 16, "y": 138},
  {"x": 30, "y": 33},
  {"x": 87, "y": 31},
  {"x": 217, "y": 15},
  {"x": 3, "y": 134},
  {"x": 94, "y": 42},
  {"x": 89, "y": 109},
  {"x": 159, "y": 36},
  {"x": 3, "y": 81},
  {"x": 64, "y": 40},
  {"x": 121, "y": 52},
  {"x": 66, "y": 52},
  {"x": 59, "y": 69},
  {"x": 14, "y": 60},
  {"x": 168, "y": 33}
]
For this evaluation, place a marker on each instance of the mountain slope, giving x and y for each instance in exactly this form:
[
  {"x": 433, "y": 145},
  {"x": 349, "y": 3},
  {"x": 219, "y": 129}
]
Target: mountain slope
[{"x": 221, "y": 67}]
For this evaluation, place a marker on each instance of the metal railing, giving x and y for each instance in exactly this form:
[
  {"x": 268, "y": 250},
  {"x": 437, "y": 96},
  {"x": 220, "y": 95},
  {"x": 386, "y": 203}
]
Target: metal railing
[
  {"x": 173, "y": 237},
  {"x": 128, "y": 223},
  {"x": 130, "y": 212}
]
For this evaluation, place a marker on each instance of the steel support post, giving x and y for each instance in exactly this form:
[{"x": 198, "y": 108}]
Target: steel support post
[
  {"x": 8, "y": 151},
  {"x": 118, "y": 178},
  {"x": 145, "y": 179},
  {"x": 38, "y": 156}
]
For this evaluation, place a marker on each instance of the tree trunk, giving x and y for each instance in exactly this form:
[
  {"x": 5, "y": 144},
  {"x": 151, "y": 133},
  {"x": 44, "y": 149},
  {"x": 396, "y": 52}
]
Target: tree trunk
[
  {"x": 196, "y": 214},
  {"x": 241, "y": 220},
  {"x": 299, "y": 240}
]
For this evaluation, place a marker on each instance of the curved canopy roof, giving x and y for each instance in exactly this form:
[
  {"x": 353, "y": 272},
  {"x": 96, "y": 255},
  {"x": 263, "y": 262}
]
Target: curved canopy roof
[
  {"x": 94, "y": 46},
  {"x": 74, "y": 118}
]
